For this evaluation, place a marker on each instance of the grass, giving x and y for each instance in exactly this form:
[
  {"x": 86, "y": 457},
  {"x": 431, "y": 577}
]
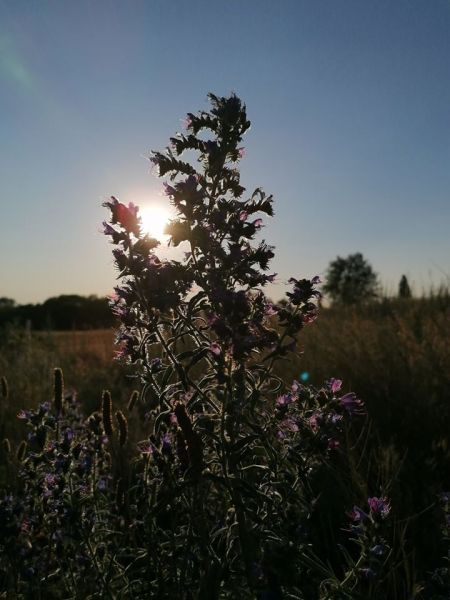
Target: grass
[{"x": 395, "y": 355}]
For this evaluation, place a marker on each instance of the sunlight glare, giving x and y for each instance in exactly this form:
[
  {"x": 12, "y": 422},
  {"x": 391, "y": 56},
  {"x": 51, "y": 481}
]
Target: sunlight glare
[{"x": 154, "y": 220}]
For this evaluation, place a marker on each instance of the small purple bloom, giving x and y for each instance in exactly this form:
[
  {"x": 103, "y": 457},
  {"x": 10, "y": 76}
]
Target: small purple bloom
[
  {"x": 335, "y": 384},
  {"x": 215, "y": 348},
  {"x": 351, "y": 403},
  {"x": 315, "y": 280},
  {"x": 270, "y": 310},
  {"x": 258, "y": 223},
  {"x": 379, "y": 506},
  {"x": 357, "y": 515},
  {"x": 243, "y": 215},
  {"x": 107, "y": 229},
  {"x": 284, "y": 400},
  {"x": 166, "y": 445}
]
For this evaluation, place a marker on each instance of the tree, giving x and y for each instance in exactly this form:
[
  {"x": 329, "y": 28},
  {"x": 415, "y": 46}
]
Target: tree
[
  {"x": 404, "y": 291},
  {"x": 350, "y": 280}
]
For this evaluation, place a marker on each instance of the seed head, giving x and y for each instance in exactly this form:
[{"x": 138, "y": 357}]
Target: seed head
[
  {"x": 107, "y": 413},
  {"x": 123, "y": 427},
  {"x": 133, "y": 399},
  {"x": 58, "y": 389},
  {"x": 21, "y": 451}
]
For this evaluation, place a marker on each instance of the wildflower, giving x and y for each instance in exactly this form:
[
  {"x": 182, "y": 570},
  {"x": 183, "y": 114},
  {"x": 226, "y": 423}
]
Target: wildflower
[
  {"x": 351, "y": 403},
  {"x": 270, "y": 310},
  {"x": 166, "y": 445},
  {"x": 126, "y": 216},
  {"x": 379, "y": 506},
  {"x": 334, "y": 384},
  {"x": 284, "y": 400},
  {"x": 357, "y": 515},
  {"x": 215, "y": 348}
]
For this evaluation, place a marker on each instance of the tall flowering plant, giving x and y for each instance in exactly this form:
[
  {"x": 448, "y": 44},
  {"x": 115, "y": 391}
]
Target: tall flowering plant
[
  {"x": 223, "y": 458},
  {"x": 244, "y": 485}
]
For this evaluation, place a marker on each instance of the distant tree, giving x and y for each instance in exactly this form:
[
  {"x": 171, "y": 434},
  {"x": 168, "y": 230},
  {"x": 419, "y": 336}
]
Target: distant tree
[
  {"x": 404, "y": 291},
  {"x": 350, "y": 280},
  {"x": 7, "y": 303}
]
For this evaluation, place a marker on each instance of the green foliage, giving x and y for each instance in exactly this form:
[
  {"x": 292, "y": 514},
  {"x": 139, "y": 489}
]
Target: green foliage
[{"x": 350, "y": 280}]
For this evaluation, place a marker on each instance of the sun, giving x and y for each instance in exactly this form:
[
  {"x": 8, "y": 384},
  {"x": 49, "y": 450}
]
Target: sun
[{"x": 154, "y": 220}]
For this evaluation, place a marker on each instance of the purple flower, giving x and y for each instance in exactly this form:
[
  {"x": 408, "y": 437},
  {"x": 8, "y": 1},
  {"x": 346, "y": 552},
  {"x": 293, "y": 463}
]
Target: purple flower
[
  {"x": 24, "y": 414},
  {"x": 289, "y": 425},
  {"x": 315, "y": 280},
  {"x": 107, "y": 229},
  {"x": 215, "y": 348},
  {"x": 243, "y": 215},
  {"x": 284, "y": 400},
  {"x": 379, "y": 507},
  {"x": 357, "y": 515},
  {"x": 270, "y": 310},
  {"x": 351, "y": 403},
  {"x": 258, "y": 223},
  {"x": 334, "y": 384},
  {"x": 295, "y": 386},
  {"x": 166, "y": 445}
]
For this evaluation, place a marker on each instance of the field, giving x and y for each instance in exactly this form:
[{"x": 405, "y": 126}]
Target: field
[{"x": 395, "y": 355}]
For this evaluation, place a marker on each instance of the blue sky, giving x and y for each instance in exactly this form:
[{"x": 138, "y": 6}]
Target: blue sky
[{"x": 350, "y": 108}]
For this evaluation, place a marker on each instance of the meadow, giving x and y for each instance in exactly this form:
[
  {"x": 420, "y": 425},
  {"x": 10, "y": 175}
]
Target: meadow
[
  {"x": 395, "y": 354},
  {"x": 240, "y": 448}
]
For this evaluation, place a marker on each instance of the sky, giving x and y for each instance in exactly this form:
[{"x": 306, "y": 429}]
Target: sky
[{"x": 350, "y": 108}]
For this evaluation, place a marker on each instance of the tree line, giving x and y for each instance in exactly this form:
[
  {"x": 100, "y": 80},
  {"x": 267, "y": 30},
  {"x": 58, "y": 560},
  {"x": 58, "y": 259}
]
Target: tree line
[
  {"x": 347, "y": 281},
  {"x": 63, "y": 312}
]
